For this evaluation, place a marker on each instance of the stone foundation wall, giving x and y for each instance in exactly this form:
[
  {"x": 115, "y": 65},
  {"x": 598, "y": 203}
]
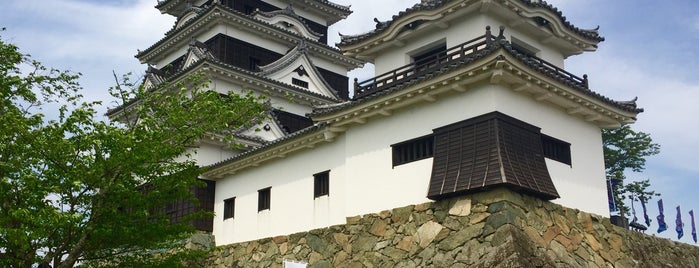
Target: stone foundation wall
[{"x": 498, "y": 228}]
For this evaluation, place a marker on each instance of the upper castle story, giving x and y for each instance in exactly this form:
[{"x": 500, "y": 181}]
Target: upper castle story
[
  {"x": 434, "y": 26},
  {"x": 260, "y": 39}
]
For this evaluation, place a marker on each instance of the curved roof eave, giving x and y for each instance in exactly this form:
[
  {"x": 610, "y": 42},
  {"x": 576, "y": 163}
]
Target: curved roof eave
[
  {"x": 349, "y": 42},
  {"x": 310, "y": 97},
  {"x": 179, "y": 35},
  {"x": 300, "y": 140},
  {"x": 322, "y": 113}
]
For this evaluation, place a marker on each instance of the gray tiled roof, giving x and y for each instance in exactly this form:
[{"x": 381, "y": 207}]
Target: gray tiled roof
[
  {"x": 268, "y": 145},
  {"x": 289, "y": 11},
  {"x": 207, "y": 12},
  {"x": 434, "y": 4},
  {"x": 338, "y": 7},
  {"x": 216, "y": 62},
  {"x": 499, "y": 44}
]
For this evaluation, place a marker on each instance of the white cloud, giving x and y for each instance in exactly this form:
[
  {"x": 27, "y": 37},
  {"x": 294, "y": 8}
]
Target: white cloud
[
  {"x": 93, "y": 38},
  {"x": 669, "y": 102}
]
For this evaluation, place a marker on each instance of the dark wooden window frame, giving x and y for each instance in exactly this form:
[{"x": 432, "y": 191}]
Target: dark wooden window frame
[
  {"x": 431, "y": 56},
  {"x": 299, "y": 82},
  {"x": 229, "y": 208},
  {"x": 556, "y": 149},
  {"x": 321, "y": 184},
  {"x": 413, "y": 150},
  {"x": 264, "y": 198}
]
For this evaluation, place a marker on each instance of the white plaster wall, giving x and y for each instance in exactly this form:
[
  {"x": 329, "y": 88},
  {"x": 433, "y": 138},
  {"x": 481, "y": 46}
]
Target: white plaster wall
[
  {"x": 362, "y": 179},
  {"x": 328, "y": 65},
  {"x": 207, "y": 154},
  {"x": 459, "y": 31},
  {"x": 293, "y": 208},
  {"x": 286, "y": 104},
  {"x": 581, "y": 185},
  {"x": 369, "y": 152},
  {"x": 172, "y": 56}
]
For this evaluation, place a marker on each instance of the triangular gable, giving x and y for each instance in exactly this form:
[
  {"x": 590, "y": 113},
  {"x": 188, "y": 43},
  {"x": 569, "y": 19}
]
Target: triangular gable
[
  {"x": 196, "y": 52},
  {"x": 267, "y": 130},
  {"x": 290, "y": 122},
  {"x": 154, "y": 77},
  {"x": 296, "y": 68}
]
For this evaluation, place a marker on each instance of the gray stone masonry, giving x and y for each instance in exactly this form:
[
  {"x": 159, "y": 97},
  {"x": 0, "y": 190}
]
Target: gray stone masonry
[{"x": 498, "y": 228}]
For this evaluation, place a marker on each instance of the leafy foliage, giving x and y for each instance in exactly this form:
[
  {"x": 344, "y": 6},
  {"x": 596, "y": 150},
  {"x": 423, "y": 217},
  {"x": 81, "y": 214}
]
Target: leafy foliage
[
  {"x": 75, "y": 189},
  {"x": 626, "y": 149}
]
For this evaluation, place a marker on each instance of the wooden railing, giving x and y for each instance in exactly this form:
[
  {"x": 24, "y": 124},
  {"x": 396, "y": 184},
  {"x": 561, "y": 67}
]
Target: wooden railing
[
  {"x": 406, "y": 72},
  {"x": 454, "y": 55}
]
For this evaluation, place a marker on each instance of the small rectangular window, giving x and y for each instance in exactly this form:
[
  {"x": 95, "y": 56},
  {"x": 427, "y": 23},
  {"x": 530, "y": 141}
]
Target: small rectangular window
[
  {"x": 299, "y": 82},
  {"x": 229, "y": 208},
  {"x": 431, "y": 57},
  {"x": 264, "y": 198},
  {"x": 321, "y": 184},
  {"x": 556, "y": 149},
  {"x": 413, "y": 150}
]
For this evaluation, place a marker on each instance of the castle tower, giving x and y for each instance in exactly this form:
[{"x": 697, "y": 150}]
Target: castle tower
[
  {"x": 269, "y": 47},
  {"x": 273, "y": 48},
  {"x": 468, "y": 96}
]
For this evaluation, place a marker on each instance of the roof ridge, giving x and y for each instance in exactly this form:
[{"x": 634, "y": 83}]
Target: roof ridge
[
  {"x": 434, "y": 4},
  {"x": 209, "y": 9}
]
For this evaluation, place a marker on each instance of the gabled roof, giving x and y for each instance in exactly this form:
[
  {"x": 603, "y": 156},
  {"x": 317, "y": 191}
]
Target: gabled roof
[
  {"x": 219, "y": 14},
  {"x": 227, "y": 71},
  {"x": 302, "y": 139},
  {"x": 299, "y": 53},
  {"x": 331, "y": 11},
  {"x": 542, "y": 14},
  {"x": 288, "y": 14},
  {"x": 496, "y": 62},
  {"x": 574, "y": 88},
  {"x": 290, "y": 122}
]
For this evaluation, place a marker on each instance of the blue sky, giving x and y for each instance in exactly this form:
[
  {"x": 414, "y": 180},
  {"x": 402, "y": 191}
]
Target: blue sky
[{"x": 650, "y": 51}]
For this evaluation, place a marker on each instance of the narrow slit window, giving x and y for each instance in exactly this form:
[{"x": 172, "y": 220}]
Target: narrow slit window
[
  {"x": 321, "y": 184},
  {"x": 299, "y": 83},
  {"x": 413, "y": 150},
  {"x": 264, "y": 197},
  {"x": 229, "y": 208},
  {"x": 430, "y": 57},
  {"x": 556, "y": 149}
]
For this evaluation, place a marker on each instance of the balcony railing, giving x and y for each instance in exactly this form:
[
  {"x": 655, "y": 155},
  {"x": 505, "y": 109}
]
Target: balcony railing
[{"x": 453, "y": 57}]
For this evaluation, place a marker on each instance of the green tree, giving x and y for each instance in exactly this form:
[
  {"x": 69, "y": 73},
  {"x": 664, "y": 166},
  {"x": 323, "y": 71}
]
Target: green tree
[
  {"x": 626, "y": 149},
  {"x": 78, "y": 190}
]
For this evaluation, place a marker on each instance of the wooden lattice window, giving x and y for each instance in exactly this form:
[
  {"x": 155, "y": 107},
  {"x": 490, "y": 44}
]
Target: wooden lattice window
[
  {"x": 556, "y": 149},
  {"x": 321, "y": 184},
  {"x": 229, "y": 208},
  {"x": 264, "y": 197},
  {"x": 413, "y": 150},
  {"x": 299, "y": 83}
]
